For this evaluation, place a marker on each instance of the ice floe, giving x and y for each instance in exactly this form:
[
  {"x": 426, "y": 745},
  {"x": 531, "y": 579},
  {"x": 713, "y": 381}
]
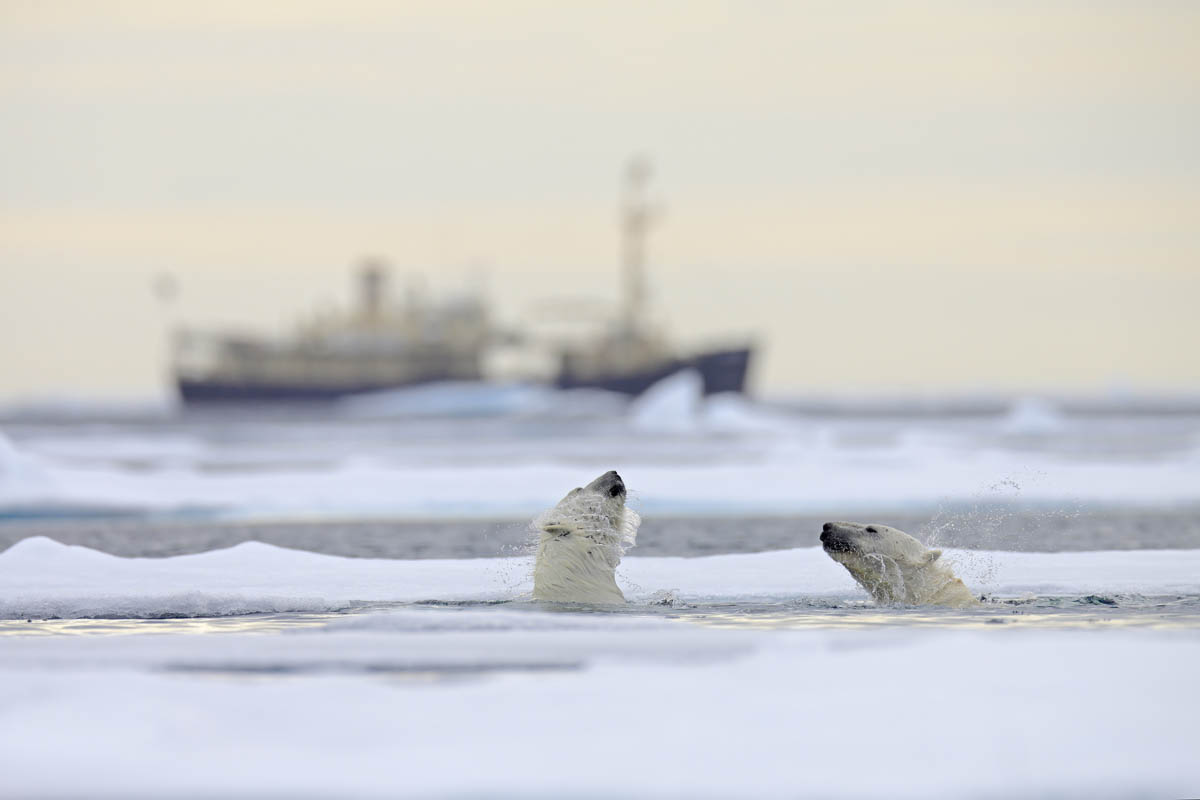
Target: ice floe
[{"x": 45, "y": 579}]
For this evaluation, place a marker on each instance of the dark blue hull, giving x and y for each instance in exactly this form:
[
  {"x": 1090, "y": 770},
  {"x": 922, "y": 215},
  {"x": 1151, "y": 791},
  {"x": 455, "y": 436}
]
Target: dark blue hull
[
  {"x": 213, "y": 392},
  {"x": 721, "y": 371}
]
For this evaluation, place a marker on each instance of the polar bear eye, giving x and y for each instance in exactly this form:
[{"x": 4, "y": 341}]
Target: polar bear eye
[{"x": 871, "y": 529}]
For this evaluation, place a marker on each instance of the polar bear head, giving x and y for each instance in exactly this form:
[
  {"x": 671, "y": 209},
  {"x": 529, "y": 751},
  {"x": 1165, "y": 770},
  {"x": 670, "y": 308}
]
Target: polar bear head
[
  {"x": 891, "y": 565},
  {"x": 581, "y": 541},
  {"x": 597, "y": 508}
]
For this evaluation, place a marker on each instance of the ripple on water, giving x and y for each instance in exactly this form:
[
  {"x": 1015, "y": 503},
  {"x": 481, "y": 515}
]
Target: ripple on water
[{"x": 1170, "y": 611}]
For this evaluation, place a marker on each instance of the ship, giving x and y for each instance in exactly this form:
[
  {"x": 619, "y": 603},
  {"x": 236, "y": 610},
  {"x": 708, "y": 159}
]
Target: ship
[
  {"x": 633, "y": 355},
  {"x": 377, "y": 345},
  {"x": 381, "y": 345}
]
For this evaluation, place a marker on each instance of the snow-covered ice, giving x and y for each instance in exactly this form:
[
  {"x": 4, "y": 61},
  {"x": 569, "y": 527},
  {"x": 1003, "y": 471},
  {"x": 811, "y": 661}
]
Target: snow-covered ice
[
  {"x": 678, "y": 454},
  {"x": 45, "y": 579},
  {"x": 627, "y": 710},
  {"x": 774, "y": 477},
  {"x": 397, "y": 696},
  {"x": 263, "y": 671}
]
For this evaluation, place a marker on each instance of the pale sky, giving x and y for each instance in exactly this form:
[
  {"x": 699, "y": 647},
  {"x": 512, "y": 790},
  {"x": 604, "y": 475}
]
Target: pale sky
[{"x": 904, "y": 197}]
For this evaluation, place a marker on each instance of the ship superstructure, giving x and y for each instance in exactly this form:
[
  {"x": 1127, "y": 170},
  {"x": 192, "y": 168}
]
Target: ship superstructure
[
  {"x": 382, "y": 344},
  {"x": 633, "y": 353},
  {"x": 377, "y": 345}
]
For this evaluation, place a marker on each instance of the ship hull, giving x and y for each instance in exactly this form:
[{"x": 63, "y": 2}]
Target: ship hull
[
  {"x": 720, "y": 371},
  {"x": 201, "y": 392}
]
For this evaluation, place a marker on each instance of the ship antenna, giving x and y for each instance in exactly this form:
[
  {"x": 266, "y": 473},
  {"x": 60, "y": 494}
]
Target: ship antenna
[{"x": 636, "y": 218}]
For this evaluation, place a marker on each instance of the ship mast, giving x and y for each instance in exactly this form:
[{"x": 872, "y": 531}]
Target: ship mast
[{"x": 636, "y": 218}]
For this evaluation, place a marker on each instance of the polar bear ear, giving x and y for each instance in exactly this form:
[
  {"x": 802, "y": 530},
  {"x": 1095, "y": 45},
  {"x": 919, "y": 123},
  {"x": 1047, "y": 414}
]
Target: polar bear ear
[{"x": 932, "y": 556}]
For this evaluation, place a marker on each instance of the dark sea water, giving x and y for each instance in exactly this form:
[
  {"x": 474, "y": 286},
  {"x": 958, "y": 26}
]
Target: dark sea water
[{"x": 995, "y": 528}]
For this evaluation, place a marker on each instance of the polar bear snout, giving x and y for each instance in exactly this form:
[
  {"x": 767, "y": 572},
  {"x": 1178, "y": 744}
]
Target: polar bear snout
[
  {"x": 836, "y": 544},
  {"x": 836, "y": 538},
  {"x": 609, "y": 484}
]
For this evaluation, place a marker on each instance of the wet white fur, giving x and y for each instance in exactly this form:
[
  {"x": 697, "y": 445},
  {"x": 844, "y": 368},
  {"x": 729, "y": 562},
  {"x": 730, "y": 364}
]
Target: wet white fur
[
  {"x": 897, "y": 569},
  {"x": 580, "y": 543}
]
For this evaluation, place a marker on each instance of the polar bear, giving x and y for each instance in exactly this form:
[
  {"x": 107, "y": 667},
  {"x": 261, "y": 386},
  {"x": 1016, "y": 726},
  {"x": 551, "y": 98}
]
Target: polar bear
[
  {"x": 893, "y": 566},
  {"x": 580, "y": 543}
]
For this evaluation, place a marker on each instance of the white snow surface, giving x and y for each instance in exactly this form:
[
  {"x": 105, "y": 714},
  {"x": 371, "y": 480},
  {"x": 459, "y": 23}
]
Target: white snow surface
[
  {"x": 41, "y": 578},
  {"x": 1032, "y": 416},
  {"x": 666, "y": 711},
  {"x": 472, "y": 399},
  {"x": 774, "y": 481},
  {"x": 724, "y": 455},
  {"x": 670, "y": 406},
  {"x": 259, "y": 671},
  {"x": 519, "y": 700}
]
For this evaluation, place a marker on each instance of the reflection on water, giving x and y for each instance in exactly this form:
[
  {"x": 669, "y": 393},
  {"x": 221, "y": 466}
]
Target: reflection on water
[
  {"x": 251, "y": 623},
  {"x": 1043, "y": 612},
  {"x": 1090, "y": 611},
  {"x": 875, "y": 618}
]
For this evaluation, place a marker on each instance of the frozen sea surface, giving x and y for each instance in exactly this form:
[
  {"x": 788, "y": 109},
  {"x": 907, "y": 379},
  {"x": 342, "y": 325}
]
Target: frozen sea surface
[
  {"x": 763, "y": 674},
  {"x": 726, "y": 456},
  {"x": 625, "y": 712},
  {"x": 337, "y": 606},
  {"x": 40, "y": 578},
  {"x": 766, "y": 675}
]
